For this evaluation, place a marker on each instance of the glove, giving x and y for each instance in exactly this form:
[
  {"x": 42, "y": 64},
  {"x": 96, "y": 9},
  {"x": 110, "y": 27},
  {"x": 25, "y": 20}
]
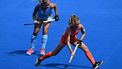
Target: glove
[
  {"x": 79, "y": 42},
  {"x": 56, "y": 17},
  {"x": 35, "y": 21}
]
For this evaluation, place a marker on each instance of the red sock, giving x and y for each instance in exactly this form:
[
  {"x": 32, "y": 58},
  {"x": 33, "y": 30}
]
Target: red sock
[
  {"x": 49, "y": 54},
  {"x": 90, "y": 57}
]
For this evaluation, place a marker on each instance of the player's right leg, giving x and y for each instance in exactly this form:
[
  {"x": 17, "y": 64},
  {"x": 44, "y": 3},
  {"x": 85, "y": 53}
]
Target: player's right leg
[
  {"x": 49, "y": 54},
  {"x": 33, "y": 38},
  {"x": 32, "y": 45},
  {"x": 44, "y": 37},
  {"x": 97, "y": 64}
]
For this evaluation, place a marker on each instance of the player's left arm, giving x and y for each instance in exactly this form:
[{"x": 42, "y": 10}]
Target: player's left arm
[
  {"x": 82, "y": 36},
  {"x": 53, "y": 6},
  {"x": 83, "y": 32}
]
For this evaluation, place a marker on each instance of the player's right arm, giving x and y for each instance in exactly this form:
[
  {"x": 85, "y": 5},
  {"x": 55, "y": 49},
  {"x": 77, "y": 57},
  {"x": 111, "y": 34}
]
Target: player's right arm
[
  {"x": 35, "y": 12},
  {"x": 68, "y": 40}
]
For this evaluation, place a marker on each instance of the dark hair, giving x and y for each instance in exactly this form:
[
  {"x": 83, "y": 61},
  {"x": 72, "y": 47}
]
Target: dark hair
[{"x": 44, "y": 1}]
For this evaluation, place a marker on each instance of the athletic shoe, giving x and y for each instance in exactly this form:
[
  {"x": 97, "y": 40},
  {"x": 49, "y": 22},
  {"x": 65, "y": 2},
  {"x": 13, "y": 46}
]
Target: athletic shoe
[
  {"x": 97, "y": 64},
  {"x": 42, "y": 52},
  {"x": 37, "y": 62},
  {"x": 30, "y": 51}
]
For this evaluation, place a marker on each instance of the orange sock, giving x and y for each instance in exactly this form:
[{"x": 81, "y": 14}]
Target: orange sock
[
  {"x": 49, "y": 54},
  {"x": 90, "y": 57}
]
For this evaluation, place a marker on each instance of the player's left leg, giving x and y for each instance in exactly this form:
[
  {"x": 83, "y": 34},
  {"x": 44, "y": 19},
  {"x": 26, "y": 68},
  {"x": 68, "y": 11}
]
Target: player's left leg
[
  {"x": 33, "y": 38},
  {"x": 90, "y": 57},
  {"x": 74, "y": 41},
  {"x": 87, "y": 53},
  {"x": 44, "y": 37}
]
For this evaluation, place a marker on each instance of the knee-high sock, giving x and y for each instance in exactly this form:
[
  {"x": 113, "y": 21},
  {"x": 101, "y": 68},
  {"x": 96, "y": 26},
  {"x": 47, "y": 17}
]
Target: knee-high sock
[
  {"x": 49, "y": 54},
  {"x": 44, "y": 40},
  {"x": 33, "y": 38},
  {"x": 89, "y": 56}
]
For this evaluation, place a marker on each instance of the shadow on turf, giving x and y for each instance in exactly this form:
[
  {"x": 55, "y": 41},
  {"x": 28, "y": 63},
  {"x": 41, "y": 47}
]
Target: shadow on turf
[
  {"x": 63, "y": 66},
  {"x": 22, "y": 52}
]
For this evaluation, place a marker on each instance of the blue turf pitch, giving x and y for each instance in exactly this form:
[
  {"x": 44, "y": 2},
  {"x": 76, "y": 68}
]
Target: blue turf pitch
[{"x": 102, "y": 20}]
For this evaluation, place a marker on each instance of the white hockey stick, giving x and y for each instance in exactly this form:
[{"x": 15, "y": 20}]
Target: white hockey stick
[
  {"x": 49, "y": 20},
  {"x": 71, "y": 57}
]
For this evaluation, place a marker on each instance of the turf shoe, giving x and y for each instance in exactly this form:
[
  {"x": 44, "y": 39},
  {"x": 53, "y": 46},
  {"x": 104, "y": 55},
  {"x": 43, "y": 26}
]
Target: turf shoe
[
  {"x": 30, "y": 51},
  {"x": 97, "y": 64},
  {"x": 42, "y": 51},
  {"x": 37, "y": 62}
]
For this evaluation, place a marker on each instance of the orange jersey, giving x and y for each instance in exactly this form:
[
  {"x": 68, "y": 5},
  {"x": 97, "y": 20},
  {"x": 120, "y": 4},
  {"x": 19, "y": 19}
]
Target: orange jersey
[
  {"x": 75, "y": 32},
  {"x": 73, "y": 36}
]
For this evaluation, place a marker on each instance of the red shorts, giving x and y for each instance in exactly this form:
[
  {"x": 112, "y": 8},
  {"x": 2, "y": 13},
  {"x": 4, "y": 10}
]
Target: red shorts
[{"x": 73, "y": 38}]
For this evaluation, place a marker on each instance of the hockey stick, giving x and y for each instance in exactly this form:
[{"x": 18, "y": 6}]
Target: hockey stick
[
  {"x": 71, "y": 57},
  {"x": 29, "y": 24},
  {"x": 49, "y": 20}
]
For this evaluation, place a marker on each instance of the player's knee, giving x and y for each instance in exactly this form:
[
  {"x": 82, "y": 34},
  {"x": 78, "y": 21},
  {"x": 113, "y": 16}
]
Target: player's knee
[
  {"x": 54, "y": 54},
  {"x": 45, "y": 32},
  {"x": 51, "y": 54},
  {"x": 86, "y": 49},
  {"x": 36, "y": 31},
  {"x": 45, "y": 28}
]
